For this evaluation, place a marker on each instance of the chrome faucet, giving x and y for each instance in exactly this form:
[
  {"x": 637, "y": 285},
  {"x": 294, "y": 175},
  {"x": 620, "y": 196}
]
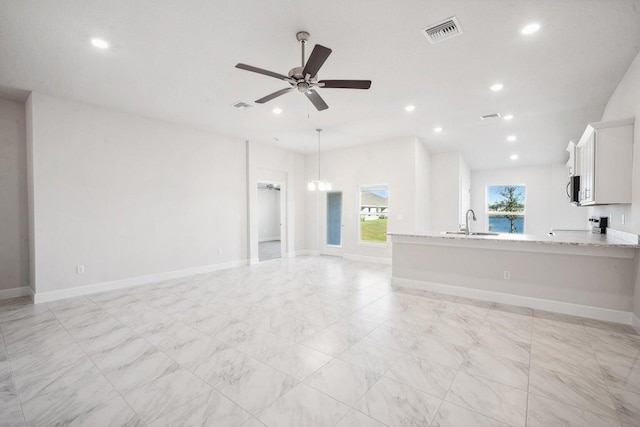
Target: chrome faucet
[{"x": 466, "y": 218}]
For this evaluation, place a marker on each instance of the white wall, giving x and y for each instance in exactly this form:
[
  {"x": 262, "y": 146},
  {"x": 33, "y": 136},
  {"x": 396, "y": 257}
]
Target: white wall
[
  {"x": 447, "y": 170},
  {"x": 391, "y": 163},
  {"x": 546, "y": 204},
  {"x": 422, "y": 167},
  {"x": 127, "y": 196},
  {"x": 268, "y": 214},
  {"x": 465, "y": 187},
  {"x": 14, "y": 228}
]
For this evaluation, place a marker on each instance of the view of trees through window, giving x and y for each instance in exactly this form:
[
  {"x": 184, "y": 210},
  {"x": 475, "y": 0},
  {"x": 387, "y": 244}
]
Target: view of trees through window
[
  {"x": 506, "y": 208},
  {"x": 374, "y": 213}
]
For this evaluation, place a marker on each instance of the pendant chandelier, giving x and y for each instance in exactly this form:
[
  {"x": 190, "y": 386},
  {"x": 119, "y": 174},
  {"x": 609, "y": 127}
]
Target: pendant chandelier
[{"x": 318, "y": 184}]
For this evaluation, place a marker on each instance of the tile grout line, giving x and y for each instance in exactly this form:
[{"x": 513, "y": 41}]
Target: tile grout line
[
  {"x": 24, "y": 418},
  {"x": 457, "y": 371},
  {"x": 94, "y": 363},
  {"x": 575, "y": 375},
  {"x": 601, "y": 373},
  {"x": 209, "y": 384},
  {"x": 456, "y": 376},
  {"x": 177, "y": 363},
  {"x": 491, "y": 380},
  {"x": 526, "y": 412}
]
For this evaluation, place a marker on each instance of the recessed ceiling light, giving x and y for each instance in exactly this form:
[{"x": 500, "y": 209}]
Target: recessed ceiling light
[
  {"x": 511, "y": 138},
  {"x": 530, "y": 28},
  {"x": 513, "y": 157},
  {"x": 277, "y": 110},
  {"x": 508, "y": 117},
  {"x": 99, "y": 43},
  {"x": 437, "y": 130},
  {"x": 410, "y": 108},
  {"x": 496, "y": 87}
]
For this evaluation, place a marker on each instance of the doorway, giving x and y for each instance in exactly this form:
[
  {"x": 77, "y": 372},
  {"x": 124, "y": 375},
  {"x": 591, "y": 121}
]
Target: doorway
[
  {"x": 269, "y": 221},
  {"x": 333, "y": 224}
]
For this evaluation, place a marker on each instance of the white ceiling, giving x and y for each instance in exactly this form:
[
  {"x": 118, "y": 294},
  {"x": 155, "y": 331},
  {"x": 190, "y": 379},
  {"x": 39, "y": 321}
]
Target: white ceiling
[{"x": 175, "y": 60}]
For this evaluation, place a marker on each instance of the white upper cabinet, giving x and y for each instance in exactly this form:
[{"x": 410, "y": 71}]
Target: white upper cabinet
[
  {"x": 604, "y": 161},
  {"x": 571, "y": 163}
]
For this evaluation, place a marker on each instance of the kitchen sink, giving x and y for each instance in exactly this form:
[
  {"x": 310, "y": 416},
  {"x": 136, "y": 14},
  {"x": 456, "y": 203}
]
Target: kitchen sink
[{"x": 473, "y": 233}]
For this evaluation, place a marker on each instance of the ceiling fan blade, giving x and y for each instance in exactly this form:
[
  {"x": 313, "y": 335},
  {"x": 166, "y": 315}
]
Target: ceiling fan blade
[
  {"x": 316, "y": 100},
  {"x": 315, "y": 61},
  {"x": 346, "y": 84},
  {"x": 274, "y": 95},
  {"x": 261, "y": 71}
]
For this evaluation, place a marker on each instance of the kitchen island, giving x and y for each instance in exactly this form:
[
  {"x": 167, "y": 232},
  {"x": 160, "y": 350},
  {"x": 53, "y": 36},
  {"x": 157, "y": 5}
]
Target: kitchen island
[{"x": 579, "y": 273}]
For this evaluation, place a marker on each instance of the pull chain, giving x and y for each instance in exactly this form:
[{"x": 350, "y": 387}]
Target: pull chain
[{"x": 318, "y": 130}]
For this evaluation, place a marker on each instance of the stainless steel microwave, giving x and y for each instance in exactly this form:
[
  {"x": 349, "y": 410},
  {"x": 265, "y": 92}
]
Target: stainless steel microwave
[{"x": 573, "y": 190}]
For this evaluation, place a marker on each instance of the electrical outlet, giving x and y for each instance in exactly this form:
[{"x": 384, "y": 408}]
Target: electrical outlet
[
  {"x": 79, "y": 269},
  {"x": 219, "y": 251},
  {"x": 622, "y": 219},
  {"x": 507, "y": 275}
]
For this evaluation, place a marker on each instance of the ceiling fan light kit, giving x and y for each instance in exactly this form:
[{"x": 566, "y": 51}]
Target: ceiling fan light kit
[{"x": 305, "y": 77}]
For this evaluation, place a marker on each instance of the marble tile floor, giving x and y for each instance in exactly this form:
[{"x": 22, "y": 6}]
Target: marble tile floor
[{"x": 309, "y": 341}]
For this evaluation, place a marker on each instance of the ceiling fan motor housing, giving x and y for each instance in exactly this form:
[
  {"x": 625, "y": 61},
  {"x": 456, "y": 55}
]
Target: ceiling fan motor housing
[{"x": 296, "y": 73}]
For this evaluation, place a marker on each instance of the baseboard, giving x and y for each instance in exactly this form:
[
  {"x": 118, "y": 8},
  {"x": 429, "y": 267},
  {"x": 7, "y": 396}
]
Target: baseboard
[
  {"x": 269, "y": 239},
  {"x": 635, "y": 322},
  {"x": 363, "y": 258},
  {"x": 617, "y": 316},
  {"x": 303, "y": 252},
  {"x": 40, "y": 297},
  {"x": 297, "y": 253},
  {"x": 254, "y": 261},
  {"x": 22, "y": 291}
]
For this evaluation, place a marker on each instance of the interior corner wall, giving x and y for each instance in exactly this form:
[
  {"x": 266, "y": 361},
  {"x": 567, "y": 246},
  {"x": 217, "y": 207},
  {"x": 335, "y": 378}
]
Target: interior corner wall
[
  {"x": 546, "y": 203},
  {"x": 422, "y": 169},
  {"x": 30, "y": 195},
  {"x": 130, "y": 197},
  {"x": 445, "y": 191},
  {"x": 14, "y": 224},
  {"x": 389, "y": 163},
  {"x": 312, "y": 205},
  {"x": 272, "y": 164}
]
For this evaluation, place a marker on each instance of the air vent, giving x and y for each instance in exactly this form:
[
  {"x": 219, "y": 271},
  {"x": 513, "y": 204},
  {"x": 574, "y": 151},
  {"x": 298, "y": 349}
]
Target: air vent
[
  {"x": 490, "y": 116},
  {"x": 242, "y": 105},
  {"x": 443, "y": 30}
]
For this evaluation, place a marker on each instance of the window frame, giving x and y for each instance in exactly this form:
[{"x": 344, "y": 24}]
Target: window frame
[
  {"x": 489, "y": 213},
  {"x": 371, "y": 243}
]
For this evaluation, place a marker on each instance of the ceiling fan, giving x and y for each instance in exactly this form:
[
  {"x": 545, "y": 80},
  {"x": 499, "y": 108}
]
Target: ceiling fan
[{"x": 305, "y": 77}]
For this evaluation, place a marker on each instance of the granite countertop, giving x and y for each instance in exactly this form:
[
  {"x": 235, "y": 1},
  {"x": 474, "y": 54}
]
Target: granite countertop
[{"x": 579, "y": 238}]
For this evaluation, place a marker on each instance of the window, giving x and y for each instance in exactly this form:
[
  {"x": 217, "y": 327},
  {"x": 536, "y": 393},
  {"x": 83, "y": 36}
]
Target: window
[
  {"x": 374, "y": 212},
  {"x": 506, "y": 208}
]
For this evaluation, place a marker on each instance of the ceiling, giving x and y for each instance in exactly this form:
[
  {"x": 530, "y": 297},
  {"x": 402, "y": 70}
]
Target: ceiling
[{"x": 174, "y": 60}]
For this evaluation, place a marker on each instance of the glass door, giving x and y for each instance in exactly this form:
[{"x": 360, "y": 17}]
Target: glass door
[{"x": 333, "y": 224}]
